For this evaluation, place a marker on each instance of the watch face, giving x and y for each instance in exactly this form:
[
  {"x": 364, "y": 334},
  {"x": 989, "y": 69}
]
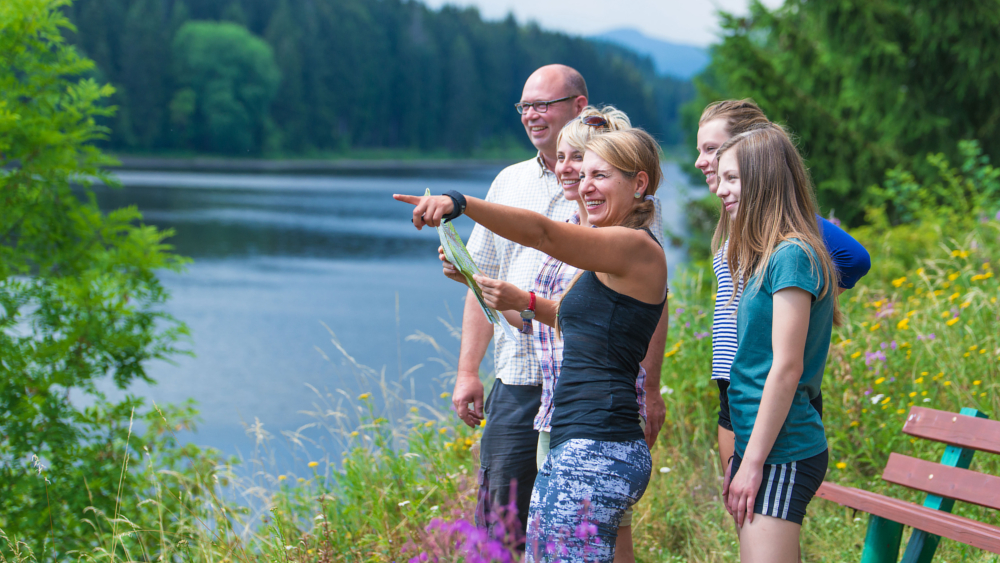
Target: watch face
[{"x": 527, "y": 315}]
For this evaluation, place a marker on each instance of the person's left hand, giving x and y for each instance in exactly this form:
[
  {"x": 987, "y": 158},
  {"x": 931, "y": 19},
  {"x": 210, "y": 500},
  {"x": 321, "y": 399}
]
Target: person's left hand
[
  {"x": 743, "y": 491},
  {"x": 726, "y": 481},
  {"x": 501, "y": 295},
  {"x": 656, "y": 414},
  {"x": 429, "y": 208}
]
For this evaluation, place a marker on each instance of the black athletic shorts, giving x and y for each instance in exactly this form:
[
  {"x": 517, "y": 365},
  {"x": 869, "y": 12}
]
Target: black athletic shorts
[{"x": 786, "y": 489}]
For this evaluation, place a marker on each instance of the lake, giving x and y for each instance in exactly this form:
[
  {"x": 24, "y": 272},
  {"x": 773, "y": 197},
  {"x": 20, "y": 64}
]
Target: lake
[{"x": 277, "y": 257}]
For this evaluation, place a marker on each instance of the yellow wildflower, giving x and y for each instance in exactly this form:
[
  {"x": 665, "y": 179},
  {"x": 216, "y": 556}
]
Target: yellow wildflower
[
  {"x": 877, "y": 303},
  {"x": 875, "y": 327},
  {"x": 987, "y": 275},
  {"x": 987, "y": 266},
  {"x": 482, "y": 422},
  {"x": 443, "y": 431},
  {"x": 911, "y": 313},
  {"x": 923, "y": 373},
  {"x": 945, "y": 314},
  {"x": 900, "y": 411},
  {"x": 966, "y": 354},
  {"x": 899, "y": 281},
  {"x": 841, "y": 465},
  {"x": 946, "y": 383},
  {"x": 951, "y": 321},
  {"x": 965, "y": 304},
  {"x": 945, "y": 285},
  {"x": 669, "y": 353},
  {"x": 919, "y": 379},
  {"x": 977, "y": 277},
  {"x": 282, "y": 477},
  {"x": 845, "y": 342},
  {"x": 904, "y": 345},
  {"x": 856, "y": 355},
  {"x": 976, "y": 382},
  {"x": 983, "y": 351},
  {"x": 879, "y": 380},
  {"x": 953, "y": 277},
  {"x": 354, "y": 434},
  {"x": 923, "y": 393},
  {"x": 445, "y": 395},
  {"x": 954, "y": 296},
  {"x": 855, "y": 423},
  {"x": 993, "y": 300},
  {"x": 429, "y": 423},
  {"x": 903, "y": 324},
  {"x": 886, "y": 400},
  {"x": 920, "y": 271},
  {"x": 973, "y": 347},
  {"x": 913, "y": 394},
  {"x": 313, "y": 464}
]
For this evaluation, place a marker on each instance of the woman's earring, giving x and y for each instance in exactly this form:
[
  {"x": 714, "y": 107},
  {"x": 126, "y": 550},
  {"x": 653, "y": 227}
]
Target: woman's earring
[{"x": 638, "y": 195}]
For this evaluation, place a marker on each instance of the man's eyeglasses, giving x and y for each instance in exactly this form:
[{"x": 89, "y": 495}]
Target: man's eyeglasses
[{"x": 540, "y": 107}]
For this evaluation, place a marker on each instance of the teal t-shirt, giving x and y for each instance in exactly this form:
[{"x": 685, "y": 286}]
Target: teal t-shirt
[{"x": 802, "y": 434}]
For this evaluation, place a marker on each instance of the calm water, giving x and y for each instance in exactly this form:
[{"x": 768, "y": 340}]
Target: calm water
[{"x": 276, "y": 258}]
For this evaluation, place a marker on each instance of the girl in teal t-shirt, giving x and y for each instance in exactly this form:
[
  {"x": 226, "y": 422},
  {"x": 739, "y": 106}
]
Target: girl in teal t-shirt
[{"x": 784, "y": 321}]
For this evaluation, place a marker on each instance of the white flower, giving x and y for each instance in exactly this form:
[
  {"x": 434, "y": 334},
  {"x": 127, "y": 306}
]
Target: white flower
[
  {"x": 927, "y": 400},
  {"x": 433, "y": 508},
  {"x": 877, "y": 398},
  {"x": 404, "y": 503},
  {"x": 664, "y": 470},
  {"x": 666, "y": 390},
  {"x": 318, "y": 517}
]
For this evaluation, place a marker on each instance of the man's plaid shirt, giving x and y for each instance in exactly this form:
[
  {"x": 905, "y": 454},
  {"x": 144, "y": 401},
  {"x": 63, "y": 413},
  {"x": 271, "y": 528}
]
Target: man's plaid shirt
[
  {"x": 527, "y": 185},
  {"x": 553, "y": 279}
]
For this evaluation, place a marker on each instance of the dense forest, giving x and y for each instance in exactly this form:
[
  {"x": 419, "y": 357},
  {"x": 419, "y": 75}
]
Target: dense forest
[
  {"x": 867, "y": 87},
  {"x": 295, "y": 77}
]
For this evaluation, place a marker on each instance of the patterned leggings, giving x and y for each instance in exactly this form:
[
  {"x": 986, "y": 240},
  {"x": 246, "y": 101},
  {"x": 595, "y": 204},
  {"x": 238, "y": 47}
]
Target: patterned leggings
[{"x": 579, "y": 497}]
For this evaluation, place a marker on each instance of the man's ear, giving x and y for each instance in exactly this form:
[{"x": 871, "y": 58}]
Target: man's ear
[{"x": 579, "y": 103}]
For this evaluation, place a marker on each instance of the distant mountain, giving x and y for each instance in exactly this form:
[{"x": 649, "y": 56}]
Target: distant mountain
[{"x": 673, "y": 59}]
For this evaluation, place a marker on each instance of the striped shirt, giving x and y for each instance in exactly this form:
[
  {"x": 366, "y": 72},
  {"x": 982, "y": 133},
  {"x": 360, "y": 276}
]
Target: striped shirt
[
  {"x": 553, "y": 280},
  {"x": 527, "y": 185},
  {"x": 724, "y": 319}
]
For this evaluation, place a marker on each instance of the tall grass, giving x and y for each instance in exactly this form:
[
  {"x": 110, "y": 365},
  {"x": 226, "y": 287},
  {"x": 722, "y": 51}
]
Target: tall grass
[{"x": 921, "y": 329}]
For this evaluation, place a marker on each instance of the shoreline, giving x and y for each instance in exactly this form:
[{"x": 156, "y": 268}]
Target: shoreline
[{"x": 219, "y": 164}]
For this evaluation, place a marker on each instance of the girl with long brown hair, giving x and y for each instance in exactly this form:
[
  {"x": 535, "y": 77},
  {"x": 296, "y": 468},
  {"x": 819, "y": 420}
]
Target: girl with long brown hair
[
  {"x": 719, "y": 122},
  {"x": 784, "y": 322}
]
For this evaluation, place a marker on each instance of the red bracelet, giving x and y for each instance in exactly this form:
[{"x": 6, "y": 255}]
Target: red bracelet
[{"x": 528, "y": 315}]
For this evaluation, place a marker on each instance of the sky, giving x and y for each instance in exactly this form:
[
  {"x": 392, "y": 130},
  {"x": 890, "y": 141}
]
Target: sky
[{"x": 680, "y": 21}]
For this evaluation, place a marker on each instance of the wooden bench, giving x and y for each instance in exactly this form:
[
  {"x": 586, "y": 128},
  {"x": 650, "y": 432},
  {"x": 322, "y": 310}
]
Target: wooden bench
[{"x": 944, "y": 482}]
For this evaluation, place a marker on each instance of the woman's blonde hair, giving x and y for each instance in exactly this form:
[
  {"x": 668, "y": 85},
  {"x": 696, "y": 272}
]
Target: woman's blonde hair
[
  {"x": 777, "y": 203},
  {"x": 577, "y": 133},
  {"x": 629, "y": 151},
  {"x": 740, "y": 116}
]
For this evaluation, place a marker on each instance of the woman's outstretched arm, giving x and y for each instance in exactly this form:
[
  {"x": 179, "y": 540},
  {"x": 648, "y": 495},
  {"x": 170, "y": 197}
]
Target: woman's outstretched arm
[{"x": 612, "y": 250}]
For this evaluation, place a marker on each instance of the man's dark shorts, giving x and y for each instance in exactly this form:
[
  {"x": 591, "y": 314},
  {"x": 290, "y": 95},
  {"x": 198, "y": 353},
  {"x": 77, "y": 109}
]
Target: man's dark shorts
[
  {"x": 507, "y": 453},
  {"x": 726, "y": 422}
]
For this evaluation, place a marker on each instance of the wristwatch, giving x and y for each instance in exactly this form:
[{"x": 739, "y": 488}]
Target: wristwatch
[{"x": 528, "y": 315}]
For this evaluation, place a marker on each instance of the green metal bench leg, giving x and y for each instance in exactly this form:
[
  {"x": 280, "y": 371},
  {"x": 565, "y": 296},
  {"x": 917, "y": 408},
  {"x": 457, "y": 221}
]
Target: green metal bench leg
[
  {"x": 921, "y": 547},
  {"x": 882, "y": 541}
]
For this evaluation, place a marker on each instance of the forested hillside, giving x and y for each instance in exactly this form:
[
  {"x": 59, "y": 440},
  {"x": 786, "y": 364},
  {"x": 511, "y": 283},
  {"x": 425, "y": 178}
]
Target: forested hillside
[{"x": 294, "y": 77}]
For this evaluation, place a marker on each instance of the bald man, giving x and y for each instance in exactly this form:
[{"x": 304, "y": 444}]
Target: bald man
[{"x": 552, "y": 96}]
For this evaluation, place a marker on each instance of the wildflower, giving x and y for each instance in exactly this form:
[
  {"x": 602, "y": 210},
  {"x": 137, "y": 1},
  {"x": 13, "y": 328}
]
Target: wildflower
[
  {"x": 664, "y": 470},
  {"x": 669, "y": 353},
  {"x": 953, "y": 277},
  {"x": 911, "y": 313},
  {"x": 855, "y": 423},
  {"x": 951, "y": 322},
  {"x": 879, "y": 380},
  {"x": 364, "y": 396},
  {"x": 899, "y": 281},
  {"x": 945, "y": 314},
  {"x": 313, "y": 464},
  {"x": 404, "y": 503},
  {"x": 930, "y": 336},
  {"x": 845, "y": 342},
  {"x": 679, "y": 310},
  {"x": 429, "y": 423},
  {"x": 923, "y": 393},
  {"x": 443, "y": 431},
  {"x": 868, "y": 391},
  {"x": 920, "y": 379},
  {"x": 855, "y": 355},
  {"x": 913, "y": 393},
  {"x": 976, "y": 382},
  {"x": 282, "y": 477},
  {"x": 700, "y": 335},
  {"x": 903, "y": 324},
  {"x": 445, "y": 395},
  {"x": 435, "y": 507},
  {"x": 900, "y": 411},
  {"x": 841, "y": 465},
  {"x": 886, "y": 400},
  {"x": 875, "y": 327},
  {"x": 947, "y": 383},
  {"x": 482, "y": 423},
  {"x": 965, "y": 304},
  {"x": 877, "y": 398},
  {"x": 666, "y": 390}
]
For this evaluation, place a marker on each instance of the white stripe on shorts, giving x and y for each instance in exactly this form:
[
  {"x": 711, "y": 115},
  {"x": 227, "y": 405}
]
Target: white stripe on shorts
[
  {"x": 788, "y": 497},
  {"x": 767, "y": 491},
  {"x": 777, "y": 493}
]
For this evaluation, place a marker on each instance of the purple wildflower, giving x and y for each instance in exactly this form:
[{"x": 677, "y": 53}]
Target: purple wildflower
[
  {"x": 872, "y": 357},
  {"x": 869, "y": 391},
  {"x": 680, "y": 310},
  {"x": 883, "y": 345},
  {"x": 930, "y": 336},
  {"x": 687, "y": 324},
  {"x": 700, "y": 335},
  {"x": 893, "y": 345}
]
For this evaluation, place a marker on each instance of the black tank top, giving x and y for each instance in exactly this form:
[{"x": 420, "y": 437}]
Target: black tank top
[{"x": 606, "y": 335}]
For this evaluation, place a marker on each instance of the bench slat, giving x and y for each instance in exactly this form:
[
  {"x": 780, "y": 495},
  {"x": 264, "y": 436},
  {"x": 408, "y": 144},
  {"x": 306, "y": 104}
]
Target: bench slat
[
  {"x": 955, "y": 429},
  {"x": 960, "y": 529},
  {"x": 951, "y": 482}
]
